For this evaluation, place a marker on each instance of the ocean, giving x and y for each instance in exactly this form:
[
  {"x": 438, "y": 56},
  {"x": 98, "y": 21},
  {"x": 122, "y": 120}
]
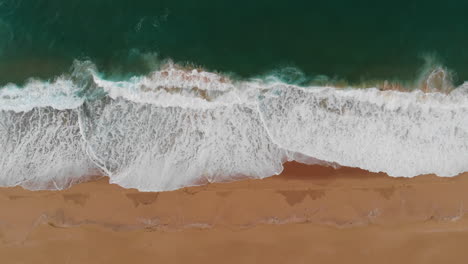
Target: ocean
[
  {"x": 350, "y": 40},
  {"x": 159, "y": 95}
]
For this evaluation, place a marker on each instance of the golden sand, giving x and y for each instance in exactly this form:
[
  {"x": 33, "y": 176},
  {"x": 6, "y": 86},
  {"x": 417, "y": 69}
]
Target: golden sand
[{"x": 308, "y": 214}]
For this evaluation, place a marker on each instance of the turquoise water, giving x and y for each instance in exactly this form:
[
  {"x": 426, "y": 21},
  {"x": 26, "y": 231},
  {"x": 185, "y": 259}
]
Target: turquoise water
[{"x": 351, "y": 40}]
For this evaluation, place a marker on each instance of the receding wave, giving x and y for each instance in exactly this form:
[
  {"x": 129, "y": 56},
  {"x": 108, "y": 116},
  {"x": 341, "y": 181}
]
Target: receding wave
[{"x": 178, "y": 127}]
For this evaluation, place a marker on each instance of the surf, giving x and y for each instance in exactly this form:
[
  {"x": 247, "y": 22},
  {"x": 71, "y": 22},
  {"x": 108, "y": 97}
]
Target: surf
[{"x": 178, "y": 127}]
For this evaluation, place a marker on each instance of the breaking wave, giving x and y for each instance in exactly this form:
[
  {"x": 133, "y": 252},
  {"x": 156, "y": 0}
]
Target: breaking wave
[{"x": 178, "y": 127}]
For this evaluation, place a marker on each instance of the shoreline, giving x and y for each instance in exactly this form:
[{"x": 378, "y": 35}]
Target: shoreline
[{"x": 305, "y": 205}]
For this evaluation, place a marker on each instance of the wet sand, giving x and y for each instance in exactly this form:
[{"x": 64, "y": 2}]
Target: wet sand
[{"x": 308, "y": 214}]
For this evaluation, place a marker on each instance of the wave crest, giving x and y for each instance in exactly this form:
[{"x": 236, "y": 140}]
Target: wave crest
[{"x": 178, "y": 127}]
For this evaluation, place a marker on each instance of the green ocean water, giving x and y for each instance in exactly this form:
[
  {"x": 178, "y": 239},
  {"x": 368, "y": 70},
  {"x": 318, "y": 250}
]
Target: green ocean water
[
  {"x": 351, "y": 40},
  {"x": 75, "y": 99}
]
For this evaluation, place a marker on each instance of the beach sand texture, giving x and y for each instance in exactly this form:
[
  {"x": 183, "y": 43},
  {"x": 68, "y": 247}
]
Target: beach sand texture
[{"x": 308, "y": 214}]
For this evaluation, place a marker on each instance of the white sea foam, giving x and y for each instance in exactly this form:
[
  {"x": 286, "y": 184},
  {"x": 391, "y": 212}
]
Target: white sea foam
[
  {"x": 150, "y": 147},
  {"x": 177, "y": 127},
  {"x": 41, "y": 149},
  {"x": 59, "y": 94},
  {"x": 402, "y": 134}
]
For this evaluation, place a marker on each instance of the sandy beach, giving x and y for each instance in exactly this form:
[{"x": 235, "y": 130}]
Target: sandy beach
[{"x": 308, "y": 214}]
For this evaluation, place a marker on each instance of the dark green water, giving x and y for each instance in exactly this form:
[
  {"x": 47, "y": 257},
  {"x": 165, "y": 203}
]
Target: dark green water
[{"x": 353, "y": 40}]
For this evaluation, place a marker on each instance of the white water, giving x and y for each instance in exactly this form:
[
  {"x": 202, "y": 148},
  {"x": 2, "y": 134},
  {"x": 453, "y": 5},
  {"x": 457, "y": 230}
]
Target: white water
[{"x": 176, "y": 128}]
